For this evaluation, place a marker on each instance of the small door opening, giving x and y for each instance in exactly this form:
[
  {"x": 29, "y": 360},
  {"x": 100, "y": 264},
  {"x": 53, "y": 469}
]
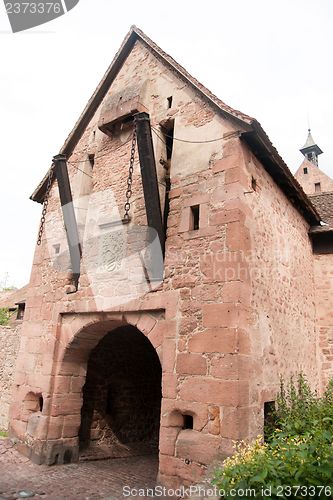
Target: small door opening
[
  {"x": 305, "y": 170},
  {"x": 317, "y": 187},
  {"x": 269, "y": 418},
  {"x": 41, "y": 403},
  {"x": 169, "y": 99},
  {"x": 195, "y": 216}
]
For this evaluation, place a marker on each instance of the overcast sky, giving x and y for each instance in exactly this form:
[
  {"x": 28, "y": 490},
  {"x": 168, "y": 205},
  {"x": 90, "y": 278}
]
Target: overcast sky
[{"x": 270, "y": 59}]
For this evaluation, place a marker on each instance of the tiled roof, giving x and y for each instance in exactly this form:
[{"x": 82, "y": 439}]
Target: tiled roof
[
  {"x": 11, "y": 298},
  {"x": 324, "y": 205}
]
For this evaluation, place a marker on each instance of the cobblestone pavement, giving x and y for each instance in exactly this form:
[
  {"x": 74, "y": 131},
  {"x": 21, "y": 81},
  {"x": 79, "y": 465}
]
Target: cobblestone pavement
[{"x": 103, "y": 479}]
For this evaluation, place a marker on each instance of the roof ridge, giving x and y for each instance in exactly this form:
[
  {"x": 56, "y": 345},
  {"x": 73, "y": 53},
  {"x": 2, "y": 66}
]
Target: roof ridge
[{"x": 230, "y": 110}]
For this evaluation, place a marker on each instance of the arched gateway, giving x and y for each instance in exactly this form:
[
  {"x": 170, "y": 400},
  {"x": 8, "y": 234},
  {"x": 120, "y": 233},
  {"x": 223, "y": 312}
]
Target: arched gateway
[
  {"x": 112, "y": 405},
  {"x": 104, "y": 396},
  {"x": 120, "y": 415}
]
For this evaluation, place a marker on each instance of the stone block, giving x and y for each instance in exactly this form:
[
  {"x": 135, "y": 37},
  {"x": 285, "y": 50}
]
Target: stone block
[
  {"x": 191, "y": 364},
  {"x": 238, "y": 237},
  {"x": 213, "y": 391},
  {"x": 225, "y": 367},
  {"x": 224, "y": 315},
  {"x": 221, "y": 340},
  {"x": 169, "y": 385},
  {"x": 197, "y": 447},
  {"x": 221, "y": 217},
  {"x": 169, "y": 355},
  {"x": 167, "y": 440}
]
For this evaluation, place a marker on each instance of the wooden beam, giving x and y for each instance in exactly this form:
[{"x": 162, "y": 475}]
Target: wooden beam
[
  {"x": 150, "y": 182},
  {"x": 66, "y": 199}
]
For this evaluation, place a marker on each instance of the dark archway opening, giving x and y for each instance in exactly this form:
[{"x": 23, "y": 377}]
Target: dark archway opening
[{"x": 120, "y": 415}]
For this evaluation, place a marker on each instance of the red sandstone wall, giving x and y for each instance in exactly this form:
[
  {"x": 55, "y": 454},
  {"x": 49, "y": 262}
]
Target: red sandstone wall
[
  {"x": 283, "y": 336},
  {"x": 9, "y": 342},
  {"x": 323, "y": 266}
]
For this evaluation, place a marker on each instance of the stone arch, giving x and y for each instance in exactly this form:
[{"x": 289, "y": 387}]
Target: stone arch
[
  {"x": 120, "y": 414},
  {"x": 79, "y": 336}
]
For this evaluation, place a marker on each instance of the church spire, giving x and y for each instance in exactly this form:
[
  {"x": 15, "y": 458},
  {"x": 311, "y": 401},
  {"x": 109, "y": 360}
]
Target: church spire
[{"x": 311, "y": 150}]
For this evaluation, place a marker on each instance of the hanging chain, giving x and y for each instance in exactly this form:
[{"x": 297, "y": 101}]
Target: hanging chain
[
  {"x": 45, "y": 204},
  {"x": 128, "y": 195}
]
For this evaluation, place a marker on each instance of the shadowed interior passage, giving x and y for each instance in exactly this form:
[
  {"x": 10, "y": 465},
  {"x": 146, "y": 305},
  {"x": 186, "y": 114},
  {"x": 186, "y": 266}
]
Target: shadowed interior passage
[{"x": 120, "y": 415}]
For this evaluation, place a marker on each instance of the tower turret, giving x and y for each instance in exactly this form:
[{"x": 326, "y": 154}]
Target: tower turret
[{"x": 311, "y": 150}]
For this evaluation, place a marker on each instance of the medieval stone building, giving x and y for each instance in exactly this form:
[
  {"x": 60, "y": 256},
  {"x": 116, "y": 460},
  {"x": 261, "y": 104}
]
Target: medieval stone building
[{"x": 118, "y": 358}]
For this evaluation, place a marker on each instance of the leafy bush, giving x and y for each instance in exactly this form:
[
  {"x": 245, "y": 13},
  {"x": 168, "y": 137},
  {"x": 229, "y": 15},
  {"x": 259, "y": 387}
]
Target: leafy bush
[
  {"x": 297, "y": 459},
  {"x": 4, "y": 316}
]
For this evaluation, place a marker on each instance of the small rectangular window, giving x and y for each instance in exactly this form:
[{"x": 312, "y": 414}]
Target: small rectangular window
[
  {"x": 317, "y": 187},
  {"x": 56, "y": 248},
  {"x": 20, "y": 311},
  {"x": 195, "y": 216},
  {"x": 169, "y": 99},
  {"x": 188, "y": 422},
  {"x": 305, "y": 170}
]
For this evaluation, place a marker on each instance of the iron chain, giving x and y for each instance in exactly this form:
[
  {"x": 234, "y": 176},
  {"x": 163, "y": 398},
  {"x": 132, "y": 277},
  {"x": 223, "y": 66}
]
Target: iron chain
[
  {"x": 45, "y": 204},
  {"x": 127, "y": 205},
  {"x": 128, "y": 195}
]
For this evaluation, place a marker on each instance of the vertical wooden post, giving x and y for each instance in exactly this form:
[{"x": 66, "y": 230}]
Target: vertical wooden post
[
  {"x": 66, "y": 199},
  {"x": 150, "y": 185}
]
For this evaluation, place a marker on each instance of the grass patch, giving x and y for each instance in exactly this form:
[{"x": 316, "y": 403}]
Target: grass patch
[{"x": 4, "y": 316}]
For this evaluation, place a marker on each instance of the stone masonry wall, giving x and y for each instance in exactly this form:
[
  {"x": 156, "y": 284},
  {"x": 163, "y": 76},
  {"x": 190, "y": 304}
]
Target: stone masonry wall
[
  {"x": 283, "y": 333},
  {"x": 9, "y": 346},
  {"x": 323, "y": 266}
]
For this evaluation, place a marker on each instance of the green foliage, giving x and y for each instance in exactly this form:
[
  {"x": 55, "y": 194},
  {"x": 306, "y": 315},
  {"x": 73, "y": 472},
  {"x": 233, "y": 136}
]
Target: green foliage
[
  {"x": 3, "y": 434},
  {"x": 298, "y": 451},
  {"x": 4, "y": 316}
]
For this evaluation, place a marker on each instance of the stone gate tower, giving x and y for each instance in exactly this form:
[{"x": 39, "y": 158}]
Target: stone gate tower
[{"x": 117, "y": 362}]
